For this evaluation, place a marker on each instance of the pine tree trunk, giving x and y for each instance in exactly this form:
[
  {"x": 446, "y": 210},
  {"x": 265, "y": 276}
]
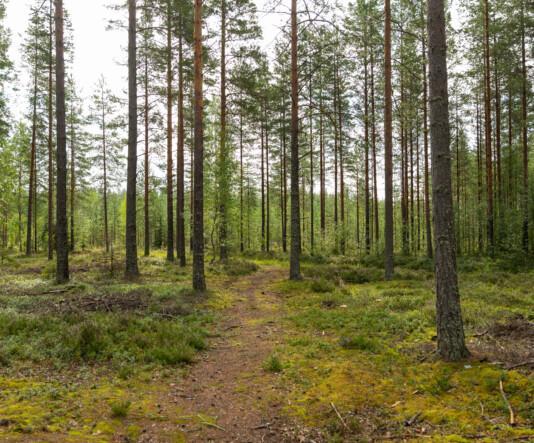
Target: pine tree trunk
[
  {"x": 50, "y": 144},
  {"x": 32, "y": 178},
  {"x": 312, "y": 227},
  {"x": 132, "y": 269},
  {"x": 180, "y": 175},
  {"x": 366, "y": 166},
  {"x": 294, "y": 271},
  {"x": 487, "y": 117},
  {"x": 262, "y": 168},
  {"x": 267, "y": 187},
  {"x": 524, "y": 133},
  {"x": 388, "y": 145},
  {"x": 105, "y": 171},
  {"x": 62, "y": 246},
  {"x": 241, "y": 186},
  {"x": 170, "y": 184},
  {"x": 373, "y": 144},
  {"x": 284, "y": 185},
  {"x": 451, "y": 342},
  {"x": 72, "y": 180},
  {"x": 322, "y": 196},
  {"x": 199, "y": 280},
  {"x": 146, "y": 196},
  {"x": 223, "y": 173},
  {"x": 428, "y": 219}
]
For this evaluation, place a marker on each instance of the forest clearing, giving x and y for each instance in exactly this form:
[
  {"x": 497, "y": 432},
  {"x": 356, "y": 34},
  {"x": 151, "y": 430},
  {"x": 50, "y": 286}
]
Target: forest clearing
[{"x": 294, "y": 221}]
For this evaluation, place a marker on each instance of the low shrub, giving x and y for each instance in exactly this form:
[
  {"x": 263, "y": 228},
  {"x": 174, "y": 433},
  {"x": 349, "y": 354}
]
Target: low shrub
[
  {"x": 273, "y": 364},
  {"x": 321, "y": 285},
  {"x": 120, "y": 409},
  {"x": 239, "y": 267}
]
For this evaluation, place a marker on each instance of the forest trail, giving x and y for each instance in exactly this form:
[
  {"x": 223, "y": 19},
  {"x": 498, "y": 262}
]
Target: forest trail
[{"x": 227, "y": 395}]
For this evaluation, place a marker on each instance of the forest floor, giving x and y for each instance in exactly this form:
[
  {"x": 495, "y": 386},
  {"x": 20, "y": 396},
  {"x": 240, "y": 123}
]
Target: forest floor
[{"x": 339, "y": 356}]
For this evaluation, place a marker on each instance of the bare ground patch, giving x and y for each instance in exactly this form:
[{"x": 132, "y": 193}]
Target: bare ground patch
[{"x": 510, "y": 342}]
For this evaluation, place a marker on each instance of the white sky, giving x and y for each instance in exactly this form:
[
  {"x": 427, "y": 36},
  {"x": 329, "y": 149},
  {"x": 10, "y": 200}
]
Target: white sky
[{"x": 97, "y": 50}]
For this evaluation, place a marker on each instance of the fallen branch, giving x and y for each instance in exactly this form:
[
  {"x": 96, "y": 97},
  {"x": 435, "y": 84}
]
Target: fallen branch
[
  {"x": 519, "y": 365},
  {"x": 339, "y": 415},
  {"x": 481, "y": 334},
  {"x": 263, "y": 426},
  {"x": 512, "y": 416},
  {"x": 209, "y": 424}
]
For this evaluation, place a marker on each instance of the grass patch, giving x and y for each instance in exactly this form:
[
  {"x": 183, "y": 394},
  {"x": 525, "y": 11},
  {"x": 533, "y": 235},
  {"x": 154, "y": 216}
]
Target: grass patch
[
  {"x": 273, "y": 364},
  {"x": 359, "y": 342},
  {"x": 120, "y": 409}
]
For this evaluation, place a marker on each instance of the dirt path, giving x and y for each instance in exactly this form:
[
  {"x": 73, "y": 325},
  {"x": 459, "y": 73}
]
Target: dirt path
[{"x": 227, "y": 396}]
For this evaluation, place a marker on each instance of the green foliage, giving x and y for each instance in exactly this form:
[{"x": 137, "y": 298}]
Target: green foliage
[
  {"x": 100, "y": 337},
  {"x": 239, "y": 267},
  {"x": 321, "y": 285},
  {"x": 120, "y": 409},
  {"x": 273, "y": 364},
  {"x": 441, "y": 382},
  {"x": 359, "y": 342}
]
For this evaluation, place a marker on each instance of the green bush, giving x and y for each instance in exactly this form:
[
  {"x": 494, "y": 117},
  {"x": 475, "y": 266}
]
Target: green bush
[
  {"x": 321, "y": 285},
  {"x": 238, "y": 267},
  {"x": 360, "y": 275}
]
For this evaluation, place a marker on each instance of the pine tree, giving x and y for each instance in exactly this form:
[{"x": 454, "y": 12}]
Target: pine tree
[{"x": 451, "y": 341}]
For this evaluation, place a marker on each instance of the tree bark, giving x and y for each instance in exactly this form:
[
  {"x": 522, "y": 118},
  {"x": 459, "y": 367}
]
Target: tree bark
[
  {"x": 388, "y": 145},
  {"x": 180, "y": 176},
  {"x": 170, "y": 184},
  {"x": 132, "y": 269},
  {"x": 50, "y": 144},
  {"x": 294, "y": 269},
  {"x": 451, "y": 341},
  {"x": 146, "y": 196},
  {"x": 366, "y": 166},
  {"x": 487, "y": 116},
  {"x": 428, "y": 218},
  {"x": 373, "y": 144},
  {"x": 32, "y": 178},
  {"x": 72, "y": 179},
  {"x": 105, "y": 172},
  {"x": 62, "y": 247},
  {"x": 524, "y": 133},
  {"x": 223, "y": 172},
  {"x": 199, "y": 280}
]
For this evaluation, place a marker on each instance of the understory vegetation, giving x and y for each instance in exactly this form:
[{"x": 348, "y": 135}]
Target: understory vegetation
[{"x": 92, "y": 360}]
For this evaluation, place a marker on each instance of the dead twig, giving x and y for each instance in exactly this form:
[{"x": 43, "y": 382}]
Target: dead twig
[
  {"x": 519, "y": 365},
  {"x": 413, "y": 420},
  {"x": 508, "y": 405},
  {"x": 481, "y": 334},
  {"x": 339, "y": 415},
  {"x": 213, "y": 425},
  {"x": 263, "y": 426}
]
